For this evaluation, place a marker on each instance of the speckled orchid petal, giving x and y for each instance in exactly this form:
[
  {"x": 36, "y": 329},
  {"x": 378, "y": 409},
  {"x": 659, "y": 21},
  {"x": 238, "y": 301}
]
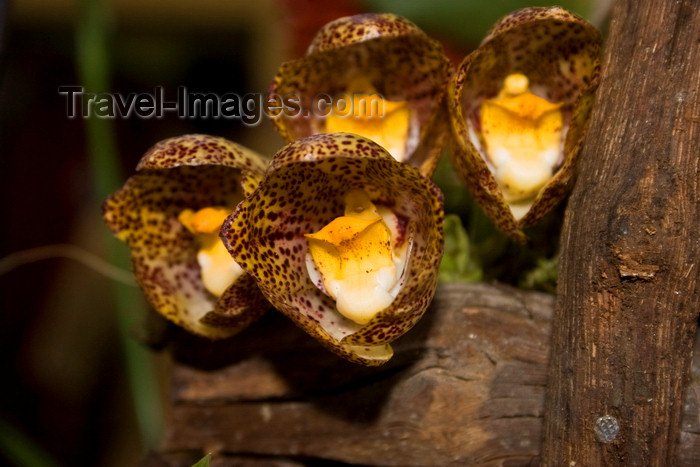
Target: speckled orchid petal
[
  {"x": 557, "y": 53},
  {"x": 379, "y": 53},
  {"x": 303, "y": 191},
  {"x": 189, "y": 172}
]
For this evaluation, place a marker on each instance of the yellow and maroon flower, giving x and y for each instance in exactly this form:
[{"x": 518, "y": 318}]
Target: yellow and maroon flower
[
  {"x": 170, "y": 213},
  {"x": 519, "y": 107},
  {"x": 391, "y": 77},
  {"x": 344, "y": 240}
]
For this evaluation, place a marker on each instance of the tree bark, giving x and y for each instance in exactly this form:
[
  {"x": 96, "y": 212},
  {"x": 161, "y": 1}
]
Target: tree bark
[{"x": 628, "y": 297}]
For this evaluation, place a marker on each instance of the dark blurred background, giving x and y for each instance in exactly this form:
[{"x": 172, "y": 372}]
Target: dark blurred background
[{"x": 66, "y": 397}]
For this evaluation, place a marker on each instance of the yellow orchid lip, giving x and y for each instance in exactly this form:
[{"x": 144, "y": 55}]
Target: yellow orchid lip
[
  {"x": 519, "y": 106},
  {"x": 176, "y": 252},
  {"x": 523, "y": 137},
  {"x": 218, "y": 269},
  {"x": 367, "y": 54},
  {"x": 371, "y": 115},
  {"x": 352, "y": 224},
  {"x": 354, "y": 257}
]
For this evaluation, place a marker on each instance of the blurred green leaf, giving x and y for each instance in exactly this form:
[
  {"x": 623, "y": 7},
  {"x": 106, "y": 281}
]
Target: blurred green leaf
[
  {"x": 94, "y": 71},
  {"x": 457, "y": 198},
  {"x": 204, "y": 462},
  {"x": 457, "y": 264},
  {"x": 543, "y": 276},
  {"x": 21, "y": 450}
]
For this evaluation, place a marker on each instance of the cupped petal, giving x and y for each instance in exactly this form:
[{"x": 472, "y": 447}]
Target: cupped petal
[
  {"x": 355, "y": 29},
  {"x": 557, "y": 54},
  {"x": 304, "y": 190},
  {"x": 188, "y": 172},
  {"x": 391, "y": 57}
]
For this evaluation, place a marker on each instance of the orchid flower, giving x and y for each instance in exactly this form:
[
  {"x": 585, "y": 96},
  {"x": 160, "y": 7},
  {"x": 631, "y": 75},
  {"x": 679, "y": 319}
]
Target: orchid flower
[
  {"x": 519, "y": 107},
  {"x": 170, "y": 212},
  {"x": 391, "y": 77},
  {"x": 343, "y": 239}
]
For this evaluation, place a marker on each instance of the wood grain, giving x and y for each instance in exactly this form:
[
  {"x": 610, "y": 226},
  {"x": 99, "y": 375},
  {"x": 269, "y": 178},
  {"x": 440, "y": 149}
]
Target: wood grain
[
  {"x": 627, "y": 308},
  {"x": 465, "y": 387}
]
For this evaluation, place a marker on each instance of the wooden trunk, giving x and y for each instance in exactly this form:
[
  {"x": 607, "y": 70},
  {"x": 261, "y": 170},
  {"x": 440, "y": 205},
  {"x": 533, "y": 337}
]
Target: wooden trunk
[
  {"x": 629, "y": 288},
  {"x": 465, "y": 387}
]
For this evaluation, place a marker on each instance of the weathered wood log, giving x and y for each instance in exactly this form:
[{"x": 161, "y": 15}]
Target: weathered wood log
[
  {"x": 629, "y": 292},
  {"x": 465, "y": 387}
]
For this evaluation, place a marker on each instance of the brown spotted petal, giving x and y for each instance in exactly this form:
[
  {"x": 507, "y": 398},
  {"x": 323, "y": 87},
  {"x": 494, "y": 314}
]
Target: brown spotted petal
[
  {"x": 399, "y": 60},
  {"x": 303, "y": 191},
  {"x": 191, "y": 171},
  {"x": 558, "y": 52}
]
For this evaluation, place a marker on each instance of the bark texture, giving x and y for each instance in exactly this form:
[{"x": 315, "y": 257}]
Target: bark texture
[
  {"x": 465, "y": 387},
  {"x": 628, "y": 301}
]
